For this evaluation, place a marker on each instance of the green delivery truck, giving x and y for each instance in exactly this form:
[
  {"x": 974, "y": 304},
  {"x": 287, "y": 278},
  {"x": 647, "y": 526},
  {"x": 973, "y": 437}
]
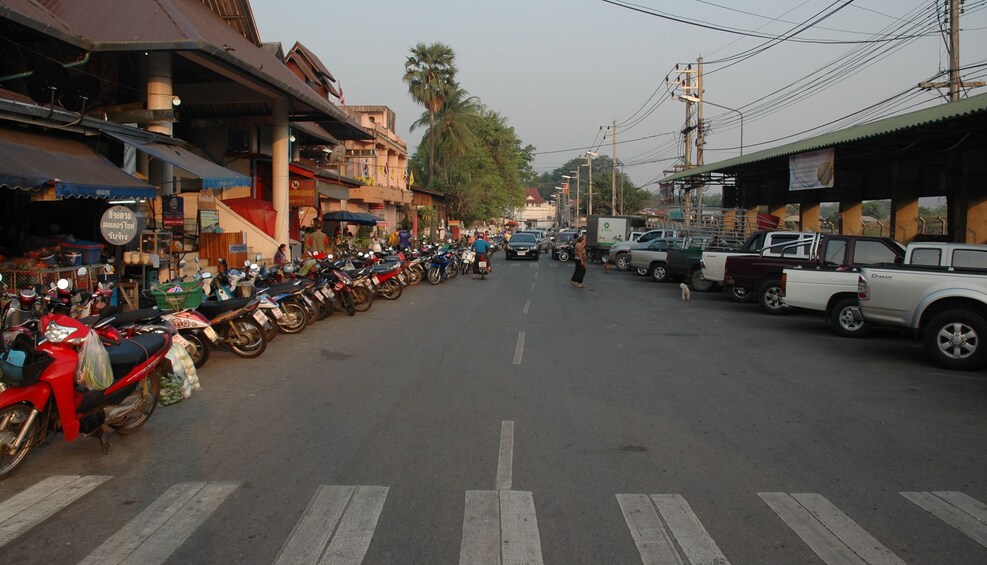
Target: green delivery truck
[{"x": 604, "y": 231}]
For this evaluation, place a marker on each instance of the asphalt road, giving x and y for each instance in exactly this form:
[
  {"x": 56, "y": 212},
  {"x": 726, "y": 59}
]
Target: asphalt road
[{"x": 518, "y": 419}]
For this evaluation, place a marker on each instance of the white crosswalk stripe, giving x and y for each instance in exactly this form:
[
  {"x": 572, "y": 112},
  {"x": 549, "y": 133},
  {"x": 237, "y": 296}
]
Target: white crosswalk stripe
[
  {"x": 337, "y": 526},
  {"x": 960, "y": 511},
  {"x": 830, "y": 533},
  {"x": 163, "y": 526},
  {"x": 663, "y": 523},
  {"x": 500, "y": 527},
  {"x": 29, "y": 508}
]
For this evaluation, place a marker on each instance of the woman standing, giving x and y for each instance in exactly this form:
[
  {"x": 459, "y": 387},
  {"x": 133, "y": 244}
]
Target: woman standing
[{"x": 577, "y": 276}]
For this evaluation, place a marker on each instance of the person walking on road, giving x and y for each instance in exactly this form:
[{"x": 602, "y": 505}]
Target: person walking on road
[{"x": 577, "y": 276}]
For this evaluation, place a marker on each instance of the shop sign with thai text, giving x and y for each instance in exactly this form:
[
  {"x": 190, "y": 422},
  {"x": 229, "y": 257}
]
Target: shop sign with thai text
[{"x": 118, "y": 225}]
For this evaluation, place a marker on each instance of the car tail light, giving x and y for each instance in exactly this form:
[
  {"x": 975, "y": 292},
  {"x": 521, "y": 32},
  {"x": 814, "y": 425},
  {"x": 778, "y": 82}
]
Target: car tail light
[{"x": 863, "y": 289}]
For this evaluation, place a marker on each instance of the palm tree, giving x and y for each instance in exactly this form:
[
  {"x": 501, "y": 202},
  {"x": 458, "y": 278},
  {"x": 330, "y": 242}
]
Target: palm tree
[
  {"x": 430, "y": 72},
  {"x": 450, "y": 133}
]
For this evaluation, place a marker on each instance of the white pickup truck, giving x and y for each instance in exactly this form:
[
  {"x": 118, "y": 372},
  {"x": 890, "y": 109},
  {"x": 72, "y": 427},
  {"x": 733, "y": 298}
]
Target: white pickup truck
[
  {"x": 944, "y": 305},
  {"x": 715, "y": 260}
]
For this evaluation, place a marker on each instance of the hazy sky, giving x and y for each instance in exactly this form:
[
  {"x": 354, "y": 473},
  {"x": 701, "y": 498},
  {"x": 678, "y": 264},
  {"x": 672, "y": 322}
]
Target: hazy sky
[{"x": 559, "y": 70}]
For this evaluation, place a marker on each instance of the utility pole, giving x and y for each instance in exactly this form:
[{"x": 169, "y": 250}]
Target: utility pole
[
  {"x": 589, "y": 163},
  {"x": 613, "y": 180},
  {"x": 687, "y": 132},
  {"x": 955, "y": 83},
  {"x": 700, "y": 133},
  {"x": 578, "y": 167}
]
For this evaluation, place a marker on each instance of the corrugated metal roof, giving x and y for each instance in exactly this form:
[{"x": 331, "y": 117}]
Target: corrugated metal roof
[
  {"x": 177, "y": 25},
  {"x": 967, "y": 106},
  {"x": 238, "y": 15},
  {"x": 28, "y": 13}
]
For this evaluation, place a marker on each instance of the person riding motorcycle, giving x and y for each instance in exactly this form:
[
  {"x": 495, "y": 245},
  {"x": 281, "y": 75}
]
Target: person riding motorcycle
[{"x": 480, "y": 246}]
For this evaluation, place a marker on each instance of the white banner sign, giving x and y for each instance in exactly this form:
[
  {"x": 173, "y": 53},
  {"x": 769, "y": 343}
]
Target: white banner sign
[{"x": 811, "y": 170}]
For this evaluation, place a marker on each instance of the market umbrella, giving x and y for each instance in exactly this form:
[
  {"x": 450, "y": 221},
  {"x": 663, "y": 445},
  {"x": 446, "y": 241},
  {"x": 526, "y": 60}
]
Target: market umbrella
[{"x": 359, "y": 218}]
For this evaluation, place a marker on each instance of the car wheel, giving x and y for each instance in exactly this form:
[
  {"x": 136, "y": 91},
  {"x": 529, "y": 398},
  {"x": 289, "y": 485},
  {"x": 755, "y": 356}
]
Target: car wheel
[
  {"x": 658, "y": 272},
  {"x": 642, "y": 271},
  {"x": 740, "y": 294},
  {"x": 845, "y": 323},
  {"x": 622, "y": 261},
  {"x": 952, "y": 340},
  {"x": 770, "y": 298},
  {"x": 564, "y": 256},
  {"x": 699, "y": 282}
]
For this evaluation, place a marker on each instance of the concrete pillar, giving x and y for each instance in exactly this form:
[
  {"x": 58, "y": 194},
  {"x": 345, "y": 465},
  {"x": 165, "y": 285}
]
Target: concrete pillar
[
  {"x": 280, "y": 155},
  {"x": 904, "y": 200},
  {"x": 809, "y": 216},
  {"x": 779, "y": 210},
  {"x": 851, "y": 214},
  {"x": 159, "y": 97}
]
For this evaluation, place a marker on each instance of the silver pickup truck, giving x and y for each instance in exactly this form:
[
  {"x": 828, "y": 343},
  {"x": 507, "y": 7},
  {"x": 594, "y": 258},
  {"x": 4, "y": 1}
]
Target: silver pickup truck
[{"x": 945, "y": 306}]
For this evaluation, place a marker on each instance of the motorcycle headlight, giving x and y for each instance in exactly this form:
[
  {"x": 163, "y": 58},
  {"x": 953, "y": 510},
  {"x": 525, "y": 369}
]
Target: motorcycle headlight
[{"x": 56, "y": 333}]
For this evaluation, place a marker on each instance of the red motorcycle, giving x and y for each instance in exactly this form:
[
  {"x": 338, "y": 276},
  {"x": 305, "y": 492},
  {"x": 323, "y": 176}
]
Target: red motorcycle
[{"x": 38, "y": 391}]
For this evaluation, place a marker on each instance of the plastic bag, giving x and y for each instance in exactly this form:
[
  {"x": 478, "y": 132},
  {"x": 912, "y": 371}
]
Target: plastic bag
[
  {"x": 182, "y": 379},
  {"x": 94, "y": 371}
]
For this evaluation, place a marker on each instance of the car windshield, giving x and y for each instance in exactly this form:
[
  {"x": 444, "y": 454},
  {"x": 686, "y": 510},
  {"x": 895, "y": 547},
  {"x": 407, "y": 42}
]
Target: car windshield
[
  {"x": 565, "y": 237},
  {"x": 523, "y": 238}
]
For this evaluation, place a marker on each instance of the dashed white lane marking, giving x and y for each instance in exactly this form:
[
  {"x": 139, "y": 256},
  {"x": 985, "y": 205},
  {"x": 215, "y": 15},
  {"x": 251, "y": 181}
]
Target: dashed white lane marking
[
  {"x": 162, "y": 527},
  {"x": 959, "y": 510},
  {"x": 29, "y": 508},
  {"x": 505, "y": 461},
  {"x": 526, "y": 306},
  {"x": 536, "y": 274},
  {"x": 657, "y": 536},
  {"x": 519, "y": 350},
  {"x": 532, "y": 287},
  {"x": 830, "y": 533},
  {"x": 337, "y": 526}
]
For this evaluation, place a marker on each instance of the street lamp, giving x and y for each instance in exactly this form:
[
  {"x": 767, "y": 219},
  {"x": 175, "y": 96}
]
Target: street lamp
[
  {"x": 589, "y": 163},
  {"x": 689, "y": 98}
]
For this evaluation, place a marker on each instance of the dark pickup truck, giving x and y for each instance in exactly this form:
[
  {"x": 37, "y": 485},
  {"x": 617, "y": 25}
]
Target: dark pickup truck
[
  {"x": 686, "y": 265},
  {"x": 761, "y": 274}
]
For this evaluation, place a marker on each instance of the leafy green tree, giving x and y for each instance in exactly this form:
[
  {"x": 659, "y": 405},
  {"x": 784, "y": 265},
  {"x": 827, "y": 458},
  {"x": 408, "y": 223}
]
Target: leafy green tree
[
  {"x": 634, "y": 197},
  {"x": 430, "y": 73}
]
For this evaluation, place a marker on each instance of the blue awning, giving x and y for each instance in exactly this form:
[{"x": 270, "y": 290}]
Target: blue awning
[
  {"x": 31, "y": 161},
  {"x": 213, "y": 175}
]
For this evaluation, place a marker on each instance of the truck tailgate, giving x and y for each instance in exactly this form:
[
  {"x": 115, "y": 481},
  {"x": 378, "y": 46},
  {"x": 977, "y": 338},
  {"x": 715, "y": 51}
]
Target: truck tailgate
[{"x": 811, "y": 289}]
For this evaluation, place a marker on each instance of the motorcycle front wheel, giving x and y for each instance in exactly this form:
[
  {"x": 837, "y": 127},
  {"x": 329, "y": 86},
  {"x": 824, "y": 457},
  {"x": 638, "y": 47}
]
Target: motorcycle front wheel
[
  {"x": 434, "y": 275},
  {"x": 143, "y": 400},
  {"x": 416, "y": 274},
  {"x": 245, "y": 338},
  {"x": 363, "y": 299},
  {"x": 294, "y": 319},
  {"x": 391, "y": 289},
  {"x": 349, "y": 304},
  {"x": 325, "y": 309},
  {"x": 13, "y": 419}
]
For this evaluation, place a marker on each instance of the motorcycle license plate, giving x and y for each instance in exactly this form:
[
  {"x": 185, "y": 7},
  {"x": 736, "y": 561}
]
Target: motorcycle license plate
[
  {"x": 278, "y": 314},
  {"x": 376, "y": 280},
  {"x": 401, "y": 277},
  {"x": 483, "y": 264},
  {"x": 330, "y": 295},
  {"x": 260, "y": 317},
  {"x": 179, "y": 340},
  {"x": 308, "y": 301},
  {"x": 210, "y": 333}
]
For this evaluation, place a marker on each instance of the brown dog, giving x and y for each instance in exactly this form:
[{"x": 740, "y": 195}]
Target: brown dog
[{"x": 686, "y": 294}]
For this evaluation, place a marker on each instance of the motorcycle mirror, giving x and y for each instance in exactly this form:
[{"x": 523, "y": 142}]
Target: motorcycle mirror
[
  {"x": 246, "y": 263},
  {"x": 108, "y": 269},
  {"x": 82, "y": 271},
  {"x": 258, "y": 257},
  {"x": 181, "y": 264},
  {"x": 62, "y": 284},
  {"x": 196, "y": 258}
]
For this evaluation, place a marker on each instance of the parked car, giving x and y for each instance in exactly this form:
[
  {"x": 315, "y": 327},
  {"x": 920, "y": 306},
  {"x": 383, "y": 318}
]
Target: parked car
[
  {"x": 619, "y": 253},
  {"x": 652, "y": 256},
  {"x": 762, "y": 242},
  {"x": 761, "y": 274},
  {"x": 523, "y": 245}
]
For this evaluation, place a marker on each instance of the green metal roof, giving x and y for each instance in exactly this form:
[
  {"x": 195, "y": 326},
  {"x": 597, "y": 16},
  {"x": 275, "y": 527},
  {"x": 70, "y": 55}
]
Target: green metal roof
[{"x": 971, "y": 105}]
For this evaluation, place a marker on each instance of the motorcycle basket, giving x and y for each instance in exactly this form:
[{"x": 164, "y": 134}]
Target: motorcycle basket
[
  {"x": 21, "y": 364},
  {"x": 189, "y": 297}
]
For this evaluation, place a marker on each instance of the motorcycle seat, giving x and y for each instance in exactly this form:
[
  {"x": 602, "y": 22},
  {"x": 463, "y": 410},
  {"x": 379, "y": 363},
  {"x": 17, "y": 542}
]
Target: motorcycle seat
[
  {"x": 280, "y": 288},
  {"x": 213, "y": 309},
  {"x": 130, "y": 353},
  {"x": 385, "y": 268},
  {"x": 132, "y": 317}
]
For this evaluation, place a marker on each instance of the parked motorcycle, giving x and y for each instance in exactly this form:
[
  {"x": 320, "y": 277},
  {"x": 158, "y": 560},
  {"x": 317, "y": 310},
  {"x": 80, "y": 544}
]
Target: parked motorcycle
[{"x": 38, "y": 392}]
